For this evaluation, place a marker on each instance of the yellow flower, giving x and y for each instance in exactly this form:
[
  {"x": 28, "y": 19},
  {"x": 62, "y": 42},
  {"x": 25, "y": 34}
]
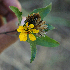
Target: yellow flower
[
  {"x": 20, "y": 29},
  {"x": 27, "y": 30},
  {"x": 32, "y": 37},
  {"x": 23, "y": 36},
  {"x": 31, "y": 26}
]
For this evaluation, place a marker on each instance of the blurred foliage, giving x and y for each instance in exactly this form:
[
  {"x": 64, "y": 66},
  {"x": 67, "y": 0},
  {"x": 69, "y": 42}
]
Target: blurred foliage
[{"x": 57, "y": 20}]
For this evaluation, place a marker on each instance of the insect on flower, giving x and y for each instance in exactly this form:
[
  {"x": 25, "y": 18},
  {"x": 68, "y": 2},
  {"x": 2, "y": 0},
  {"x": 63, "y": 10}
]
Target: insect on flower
[
  {"x": 39, "y": 24},
  {"x": 33, "y": 24}
]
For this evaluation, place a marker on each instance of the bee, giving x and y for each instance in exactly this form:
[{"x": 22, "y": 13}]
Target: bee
[{"x": 39, "y": 24}]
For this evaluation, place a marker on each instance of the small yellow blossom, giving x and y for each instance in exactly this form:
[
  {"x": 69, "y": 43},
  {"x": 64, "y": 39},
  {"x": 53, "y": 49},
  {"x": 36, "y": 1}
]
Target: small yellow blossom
[
  {"x": 27, "y": 30},
  {"x": 31, "y": 26},
  {"x": 23, "y": 36},
  {"x": 32, "y": 37}
]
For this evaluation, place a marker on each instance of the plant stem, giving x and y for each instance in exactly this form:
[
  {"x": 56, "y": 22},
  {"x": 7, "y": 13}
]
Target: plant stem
[{"x": 8, "y": 32}]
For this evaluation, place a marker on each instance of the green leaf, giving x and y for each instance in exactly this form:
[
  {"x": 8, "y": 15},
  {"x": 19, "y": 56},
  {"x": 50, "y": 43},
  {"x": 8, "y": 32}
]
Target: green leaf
[
  {"x": 33, "y": 51},
  {"x": 17, "y": 13},
  {"x": 33, "y": 48},
  {"x": 49, "y": 27},
  {"x": 43, "y": 11},
  {"x": 46, "y": 41}
]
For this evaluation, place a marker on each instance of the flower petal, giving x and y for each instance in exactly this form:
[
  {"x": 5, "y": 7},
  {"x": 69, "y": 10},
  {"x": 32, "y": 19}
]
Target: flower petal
[
  {"x": 32, "y": 37},
  {"x": 20, "y": 29},
  {"x": 23, "y": 36},
  {"x": 25, "y": 28},
  {"x": 27, "y": 24},
  {"x": 35, "y": 31},
  {"x": 31, "y": 26}
]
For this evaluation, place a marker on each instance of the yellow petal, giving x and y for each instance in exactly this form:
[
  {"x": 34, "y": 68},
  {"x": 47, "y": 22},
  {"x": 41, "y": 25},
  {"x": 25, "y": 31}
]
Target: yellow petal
[
  {"x": 25, "y": 28},
  {"x": 31, "y": 26},
  {"x": 32, "y": 37},
  {"x": 23, "y": 36},
  {"x": 35, "y": 31},
  {"x": 27, "y": 24},
  {"x": 20, "y": 29}
]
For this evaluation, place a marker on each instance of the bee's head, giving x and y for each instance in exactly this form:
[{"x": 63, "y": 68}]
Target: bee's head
[{"x": 33, "y": 18}]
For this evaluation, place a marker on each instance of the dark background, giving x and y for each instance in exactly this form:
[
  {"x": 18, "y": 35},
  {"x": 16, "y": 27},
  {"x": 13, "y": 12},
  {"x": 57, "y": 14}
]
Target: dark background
[{"x": 17, "y": 56}]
